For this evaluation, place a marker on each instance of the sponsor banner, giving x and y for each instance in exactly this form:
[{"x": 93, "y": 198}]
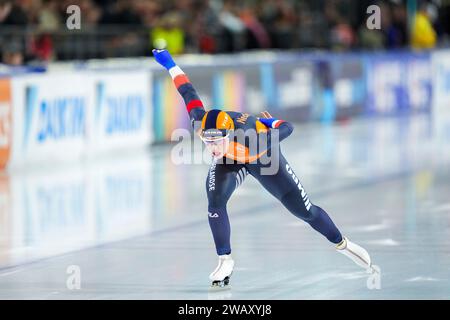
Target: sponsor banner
[
  {"x": 349, "y": 85},
  {"x": 50, "y": 117},
  {"x": 338, "y": 87},
  {"x": 398, "y": 83},
  {"x": 441, "y": 98},
  {"x": 121, "y": 112},
  {"x": 441, "y": 80},
  {"x": 386, "y": 92},
  {"x": 294, "y": 89},
  {"x": 5, "y": 121},
  {"x": 418, "y": 82},
  {"x": 69, "y": 116}
]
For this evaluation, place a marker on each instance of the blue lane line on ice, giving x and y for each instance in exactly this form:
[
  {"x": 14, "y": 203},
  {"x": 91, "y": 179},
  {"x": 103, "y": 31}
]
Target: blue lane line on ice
[{"x": 237, "y": 214}]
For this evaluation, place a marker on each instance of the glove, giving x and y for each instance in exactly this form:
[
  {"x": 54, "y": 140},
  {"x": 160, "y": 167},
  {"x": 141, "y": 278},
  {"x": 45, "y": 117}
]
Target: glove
[
  {"x": 271, "y": 122},
  {"x": 267, "y": 121},
  {"x": 164, "y": 58}
]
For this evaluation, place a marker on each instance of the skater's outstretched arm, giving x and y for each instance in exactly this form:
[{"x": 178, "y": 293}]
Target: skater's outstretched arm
[
  {"x": 193, "y": 103},
  {"x": 284, "y": 128}
]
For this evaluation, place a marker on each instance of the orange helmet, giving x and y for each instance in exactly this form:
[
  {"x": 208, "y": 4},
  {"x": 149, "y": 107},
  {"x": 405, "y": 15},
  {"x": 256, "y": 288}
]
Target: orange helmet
[{"x": 216, "y": 124}]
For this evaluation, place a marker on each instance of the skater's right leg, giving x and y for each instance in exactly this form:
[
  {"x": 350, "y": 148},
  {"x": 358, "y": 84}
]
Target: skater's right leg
[{"x": 222, "y": 180}]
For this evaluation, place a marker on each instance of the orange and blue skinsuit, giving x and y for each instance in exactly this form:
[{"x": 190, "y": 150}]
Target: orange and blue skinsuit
[{"x": 224, "y": 177}]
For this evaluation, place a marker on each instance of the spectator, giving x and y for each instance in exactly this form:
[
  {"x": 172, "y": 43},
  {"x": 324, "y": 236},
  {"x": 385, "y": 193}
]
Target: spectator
[
  {"x": 49, "y": 18},
  {"x": 423, "y": 35},
  {"x": 169, "y": 34},
  {"x": 342, "y": 35},
  {"x": 12, "y": 54},
  {"x": 233, "y": 27},
  {"x": 123, "y": 27},
  {"x": 283, "y": 32},
  {"x": 12, "y": 13},
  {"x": 397, "y": 35},
  {"x": 121, "y": 12},
  {"x": 257, "y": 36},
  {"x": 370, "y": 39},
  {"x": 91, "y": 14},
  {"x": 42, "y": 47},
  {"x": 207, "y": 29}
]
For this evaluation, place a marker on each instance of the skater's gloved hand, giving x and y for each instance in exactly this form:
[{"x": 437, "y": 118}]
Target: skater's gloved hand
[
  {"x": 164, "y": 58},
  {"x": 270, "y": 122}
]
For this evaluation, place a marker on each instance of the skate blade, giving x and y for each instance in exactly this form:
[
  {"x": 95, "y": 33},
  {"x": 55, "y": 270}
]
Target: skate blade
[{"x": 220, "y": 285}]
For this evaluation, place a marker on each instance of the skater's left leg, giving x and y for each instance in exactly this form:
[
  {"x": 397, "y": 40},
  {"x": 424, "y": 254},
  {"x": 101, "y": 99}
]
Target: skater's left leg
[
  {"x": 314, "y": 215},
  {"x": 286, "y": 187},
  {"x": 222, "y": 181}
]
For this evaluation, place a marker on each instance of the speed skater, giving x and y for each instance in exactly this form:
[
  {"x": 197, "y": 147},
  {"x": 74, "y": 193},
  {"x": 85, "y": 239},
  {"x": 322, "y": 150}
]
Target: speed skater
[{"x": 217, "y": 130}]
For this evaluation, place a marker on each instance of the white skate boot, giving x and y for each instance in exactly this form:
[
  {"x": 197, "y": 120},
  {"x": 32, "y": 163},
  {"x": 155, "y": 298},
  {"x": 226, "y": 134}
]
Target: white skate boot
[
  {"x": 220, "y": 277},
  {"x": 356, "y": 253}
]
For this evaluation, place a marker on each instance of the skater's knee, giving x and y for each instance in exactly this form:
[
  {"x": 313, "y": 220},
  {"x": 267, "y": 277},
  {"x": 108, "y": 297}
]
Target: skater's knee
[
  {"x": 216, "y": 202},
  {"x": 312, "y": 213},
  {"x": 218, "y": 216},
  {"x": 306, "y": 216},
  {"x": 297, "y": 206}
]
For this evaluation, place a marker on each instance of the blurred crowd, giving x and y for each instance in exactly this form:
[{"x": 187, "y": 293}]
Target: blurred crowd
[{"x": 35, "y": 30}]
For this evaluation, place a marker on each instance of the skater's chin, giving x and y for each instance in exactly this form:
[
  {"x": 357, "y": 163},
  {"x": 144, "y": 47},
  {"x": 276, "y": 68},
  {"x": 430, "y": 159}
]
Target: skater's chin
[{"x": 217, "y": 155}]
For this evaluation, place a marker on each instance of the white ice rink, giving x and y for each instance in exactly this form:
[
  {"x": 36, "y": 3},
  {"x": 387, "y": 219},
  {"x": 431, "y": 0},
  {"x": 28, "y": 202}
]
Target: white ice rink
[{"x": 136, "y": 225}]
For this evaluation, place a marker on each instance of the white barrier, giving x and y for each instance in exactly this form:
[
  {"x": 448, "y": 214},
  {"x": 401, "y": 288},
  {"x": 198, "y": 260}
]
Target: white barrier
[
  {"x": 49, "y": 117},
  {"x": 71, "y": 114},
  {"x": 59, "y": 117},
  {"x": 441, "y": 100},
  {"x": 121, "y": 114},
  {"x": 440, "y": 63}
]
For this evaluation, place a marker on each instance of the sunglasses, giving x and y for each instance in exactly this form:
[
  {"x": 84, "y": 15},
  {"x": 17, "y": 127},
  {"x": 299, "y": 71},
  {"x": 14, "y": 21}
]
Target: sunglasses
[{"x": 214, "y": 140}]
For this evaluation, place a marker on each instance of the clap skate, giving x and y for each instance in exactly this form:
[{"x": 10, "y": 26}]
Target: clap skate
[
  {"x": 356, "y": 253},
  {"x": 220, "y": 277}
]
